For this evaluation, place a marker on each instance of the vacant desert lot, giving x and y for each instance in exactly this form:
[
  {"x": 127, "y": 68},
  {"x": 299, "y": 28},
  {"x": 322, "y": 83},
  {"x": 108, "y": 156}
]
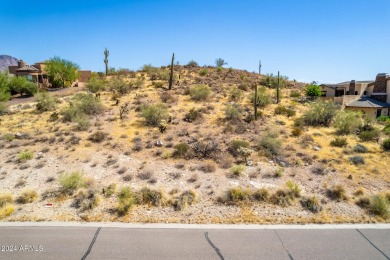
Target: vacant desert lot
[{"x": 173, "y": 176}]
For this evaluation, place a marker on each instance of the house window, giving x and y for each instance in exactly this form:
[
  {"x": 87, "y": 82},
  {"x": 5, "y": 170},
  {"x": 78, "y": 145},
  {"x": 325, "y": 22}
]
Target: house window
[
  {"x": 339, "y": 93},
  {"x": 365, "y": 93},
  {"x": 378, "y": 112},
  {"x": 356, "y": 93}
]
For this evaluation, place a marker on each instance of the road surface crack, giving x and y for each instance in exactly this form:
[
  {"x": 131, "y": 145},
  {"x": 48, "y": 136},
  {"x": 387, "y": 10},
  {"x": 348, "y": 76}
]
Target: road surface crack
[
  {"x": 289, "y": 255},
  {"x": 92, "y": 243},
  {"x": 372, "y": 244},
  {"x": 206, "y": 234}
]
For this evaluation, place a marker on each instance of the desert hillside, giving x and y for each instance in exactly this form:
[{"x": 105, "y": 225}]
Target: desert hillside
[
  {"x": 135, "y": 151},
  {"x": 6, "y": 60}
]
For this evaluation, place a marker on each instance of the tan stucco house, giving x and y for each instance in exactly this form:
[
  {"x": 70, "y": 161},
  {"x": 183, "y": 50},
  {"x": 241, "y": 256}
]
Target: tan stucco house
[
  {"x": 370, "y": 97},
  {"x": 34, "y": 73}
]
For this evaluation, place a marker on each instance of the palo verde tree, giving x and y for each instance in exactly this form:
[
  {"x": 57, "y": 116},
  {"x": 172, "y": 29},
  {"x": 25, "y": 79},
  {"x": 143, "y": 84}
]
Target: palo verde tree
[
  {"x": 22, "y": 86},
  {"x": 220, "y": 62},
  {"x": 313, "y": 90},
  {"x": 106, "y": 53},
  {"x": 5, "y": 93},
  {"x": 61, "y": 72},
  {"x": 171, "y": 74},
  {"x": 271, "y": 81}
]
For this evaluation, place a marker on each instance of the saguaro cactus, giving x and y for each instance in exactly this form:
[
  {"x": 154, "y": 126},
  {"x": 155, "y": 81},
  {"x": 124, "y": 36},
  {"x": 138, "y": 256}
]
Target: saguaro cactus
[
  {"x": 259, "y": 67},
  {"x": 171, "y": 75},
  {"x": 278, "y": 90},
  {"x": 256, "y": 100},
  {"x": 106, "y": 53}
]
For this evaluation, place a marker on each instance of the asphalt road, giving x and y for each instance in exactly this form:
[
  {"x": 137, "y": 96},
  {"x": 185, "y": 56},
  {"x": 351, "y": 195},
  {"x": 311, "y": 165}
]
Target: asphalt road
[{"x": 87, "y": 242}]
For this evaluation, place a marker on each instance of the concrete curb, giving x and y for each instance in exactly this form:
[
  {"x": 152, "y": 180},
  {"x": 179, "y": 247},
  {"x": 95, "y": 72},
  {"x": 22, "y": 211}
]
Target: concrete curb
[{"x": 191, "y": 226}]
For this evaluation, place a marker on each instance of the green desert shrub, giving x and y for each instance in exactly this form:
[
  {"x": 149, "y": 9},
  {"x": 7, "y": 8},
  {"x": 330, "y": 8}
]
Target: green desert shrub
[
  {"x": 262, "y": 194},
  {"x": 237, "y": 170},
  {"x": 294, "y": 189},
  {"x": 82, "y": 104},
  {"x": 236, "y": 94},
  {"x": 347, "y": 122},
  {"x": 119, "y": 85},
  {"x": 263, "y": 97},
  {"x": 282, "y": 110},
  {"x": 97, "y": 137},
  {"x": 232, "y": 112},
  {"x": 296, "y": 131},
  {"x": 5, "y": 198},
  {"x": 237, "y": 194},
  {"x": 192, "y": 115},
  {"x": 369, "y": 135},
  {"x": 386, "y": 144},
  {"x": 295, "y": 94},
  {"x": 25, "y": 156},
  {"x": 27, "y": 196},
  {"x": 82, "y": 123},
  {"x": 126, "y": 200},
  {"x": 379, "y": 205},
  {"x": 357, "y": 160},
  {"x": 337, "y": 192},
  {"x": 96, "y": 84},
  {"x": 339, "y": 142},
  {"x": 185, "y": 199},
  {"x": 45, "y": 102},
  {"x": 86, "y": 199},
  {"x": 363, "y": 202},
  {"x": 199, "y": 92},
  {"x": 154, "y": 113},
  {"x": 88, "y": 104},
  {"x": 235, "y": 145},
  {"x": 203, "y": 72},
  {"x": 6, "y": 210},
  {"x": 3, "y": 108},
  {"x": 70, "y": 182},
  {"x": 270, "y": 144},
  {"x": 192, "y": 63},
  {"x": 312, "y": 204},
  {"x": 312, "y": 90},
  {"x": 22, "y": 86},
  {"x": 110, "y": 190},
  {"x": 320, "y": 114},
  {"x": 359, "y": 148},
  {"x": 282, "y": 198},
  {"x": 152, "y": 197},
  {"x": 181, "y": 150}
]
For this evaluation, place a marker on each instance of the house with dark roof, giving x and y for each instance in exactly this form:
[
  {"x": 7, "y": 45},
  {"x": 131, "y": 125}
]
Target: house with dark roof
[
  {"x": 35, "y": 73},
  {"x": 370, "y": 97}
]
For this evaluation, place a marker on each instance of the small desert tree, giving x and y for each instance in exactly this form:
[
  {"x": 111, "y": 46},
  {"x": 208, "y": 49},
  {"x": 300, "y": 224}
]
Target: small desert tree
[
  {"x": 95, "y": 85},
  {"x": 270, "y": 80},
  {"x": 347, "y": 122},
  {"x": 320, "y": 114},
  {"x": 313, "y": 90},
  {"x": 45, "y": 102},
  {"x": 22, "y": 86},
  {"x": 220, "y": 62},
  {"x": 61, "y": 72},
  {"x": 5, "y": 93}
]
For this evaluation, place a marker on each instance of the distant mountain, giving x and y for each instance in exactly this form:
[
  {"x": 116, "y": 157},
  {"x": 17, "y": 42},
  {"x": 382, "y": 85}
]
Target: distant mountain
[{"x": 6, "y": 60}]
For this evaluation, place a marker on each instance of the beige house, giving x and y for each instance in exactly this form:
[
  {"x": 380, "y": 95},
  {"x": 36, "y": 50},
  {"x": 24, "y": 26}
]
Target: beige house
[
  {"x": 35, "y": 73},
  {"x": 370, "y": 97}
]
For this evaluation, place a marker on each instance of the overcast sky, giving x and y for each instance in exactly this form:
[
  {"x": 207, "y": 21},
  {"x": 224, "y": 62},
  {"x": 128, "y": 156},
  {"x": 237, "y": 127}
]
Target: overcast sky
[{"x": 321, "y": 40}]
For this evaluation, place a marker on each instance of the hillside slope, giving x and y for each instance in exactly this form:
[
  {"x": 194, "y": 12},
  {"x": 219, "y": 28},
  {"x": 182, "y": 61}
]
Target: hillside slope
[
  {"x": 6, "y": 60},
  {"x": 193, "y": 172}
]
